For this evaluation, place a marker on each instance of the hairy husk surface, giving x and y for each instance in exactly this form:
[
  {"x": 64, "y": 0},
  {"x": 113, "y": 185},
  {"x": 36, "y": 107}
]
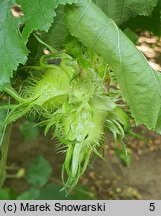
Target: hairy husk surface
[{"x": 75, "y": 103}]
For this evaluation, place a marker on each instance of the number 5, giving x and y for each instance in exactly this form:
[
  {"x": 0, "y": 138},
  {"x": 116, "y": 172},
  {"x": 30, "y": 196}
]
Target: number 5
[{"x": 152, "y": 207}]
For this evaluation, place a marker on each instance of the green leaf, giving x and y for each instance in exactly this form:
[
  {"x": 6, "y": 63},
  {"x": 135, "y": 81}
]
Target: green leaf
[
  {"x": 56, "y": 35},
  {"x": 58, "y": 31},
  {"x": 31, "y": 194},
  {"x": 147, "y": 23},
  {"x": 51, "y": 192},
  {"x": 39, "y": 172},
  {"x": 140, "y": 85},
  {"x": 29, "y": 131},
  {"x": 12, "y": 49},
  {"x": 120, "y": 11},
  {"x": 39, "y": 14},
  {"x": 7, "y": 194}
]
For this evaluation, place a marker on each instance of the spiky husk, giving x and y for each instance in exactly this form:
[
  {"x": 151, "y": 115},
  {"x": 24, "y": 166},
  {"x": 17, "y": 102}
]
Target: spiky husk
[{"x": 75, "y": 102}]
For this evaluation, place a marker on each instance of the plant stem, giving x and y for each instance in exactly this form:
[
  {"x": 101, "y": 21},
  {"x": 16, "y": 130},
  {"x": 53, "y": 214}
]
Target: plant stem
[
  {"x": 13, "y": 93},
  {"x": 4, "y": 152}
]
